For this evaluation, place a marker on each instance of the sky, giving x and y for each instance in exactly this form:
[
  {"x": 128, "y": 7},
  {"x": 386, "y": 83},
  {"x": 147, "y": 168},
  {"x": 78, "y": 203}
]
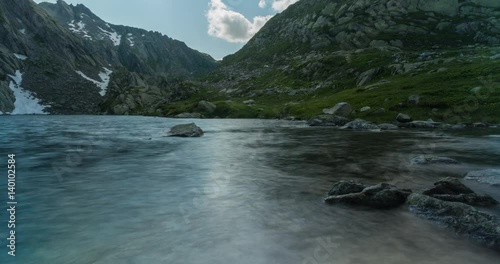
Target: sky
[{"x": 216, "y": 27}]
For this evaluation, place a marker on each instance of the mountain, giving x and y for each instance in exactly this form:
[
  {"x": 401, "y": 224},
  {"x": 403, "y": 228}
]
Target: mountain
[
  {"x": 63, "y": 59},
  {"x": 374, "y": 54}
]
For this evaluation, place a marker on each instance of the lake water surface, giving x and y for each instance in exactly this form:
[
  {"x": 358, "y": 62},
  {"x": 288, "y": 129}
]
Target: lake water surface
[{"x": 101, "y": 189}]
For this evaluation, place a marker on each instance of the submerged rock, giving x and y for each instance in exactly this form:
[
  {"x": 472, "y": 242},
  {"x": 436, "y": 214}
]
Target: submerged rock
[
  {"x": 463, "y": 219},
  {"x": 491, "y": 176},
  {"x": 424, "y": 160},
  {"x": 424, "y": 124},
  {"x": 360, "y": 124},
  {"x": 189, "y": 115},
  {"x": 186, "y": 130},
  {"x": 378, "y": 196},
  {"x": 386, "y": 126},
  {"x": 328, "y": 120}
]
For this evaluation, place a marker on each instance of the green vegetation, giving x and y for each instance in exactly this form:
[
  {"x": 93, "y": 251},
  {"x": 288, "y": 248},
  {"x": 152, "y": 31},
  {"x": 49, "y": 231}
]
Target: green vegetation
[{"x": 444, "y": 85}]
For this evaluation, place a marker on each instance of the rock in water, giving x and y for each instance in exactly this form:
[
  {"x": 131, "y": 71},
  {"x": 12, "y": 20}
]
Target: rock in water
[
  {"x": 328, "y": 120},
  {"x": 448, "y": 186},
  {"x": 424, "y": 160},
  {"x": 491, "y": 176},
  {"x": 340, "y": 109},
  {"x": 386, "y": 126},
  {"x": 378, "y": 196},
  {"x": 346, "y": 187},
  {"x": 462, "y": 218},
  {"x": 360, "y": 124},
  {"x": 186, "y": 130},
  {"x": 452, "y": 190}
]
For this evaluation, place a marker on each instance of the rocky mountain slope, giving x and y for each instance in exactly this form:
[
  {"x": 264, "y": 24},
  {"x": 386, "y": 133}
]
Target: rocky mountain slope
[
  {"x": 63, "y": 59},
  {"x": 431, "y": 59}
]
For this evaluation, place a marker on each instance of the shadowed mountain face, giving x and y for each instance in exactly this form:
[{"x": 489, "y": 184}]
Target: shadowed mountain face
[{"x": 66, "y": 58}]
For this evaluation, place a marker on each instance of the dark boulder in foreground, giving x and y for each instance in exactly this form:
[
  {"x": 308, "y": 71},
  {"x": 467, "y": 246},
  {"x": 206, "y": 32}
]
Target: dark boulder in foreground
[
  {"x": 448, "y": 203},
  {"x": 452, "y": 190},
  {"x": 462, "y": 218},
  {"x": 185, "y": 130},
  {"x": 378, "y": 196}
]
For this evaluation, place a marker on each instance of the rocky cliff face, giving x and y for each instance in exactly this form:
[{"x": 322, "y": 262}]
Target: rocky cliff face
[
  {"x": 66, "y": 60},
  {"x": 322, "y": 25}
]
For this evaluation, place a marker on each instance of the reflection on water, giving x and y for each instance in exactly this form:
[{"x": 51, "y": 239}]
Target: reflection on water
[{"x": 114, "y": 190}]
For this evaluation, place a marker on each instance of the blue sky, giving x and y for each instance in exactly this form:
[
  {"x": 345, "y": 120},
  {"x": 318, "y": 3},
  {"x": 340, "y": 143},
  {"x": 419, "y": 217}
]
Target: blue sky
[{"x": 216, "y": 27}]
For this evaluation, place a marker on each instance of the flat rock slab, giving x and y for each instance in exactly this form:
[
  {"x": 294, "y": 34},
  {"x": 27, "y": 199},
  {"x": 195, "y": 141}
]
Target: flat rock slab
[
  {"x": 185, "y": 130},
  {"x": 491, "y": 176},
  {"x": 425, "y": 160},
  {"x": 377, "y": 196},
  {"x": 463, "y": 219}
]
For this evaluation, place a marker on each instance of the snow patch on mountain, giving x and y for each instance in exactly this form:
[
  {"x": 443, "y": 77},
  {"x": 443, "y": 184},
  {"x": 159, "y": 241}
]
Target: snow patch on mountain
[
  {"x": 103, "y": 84},
  {"x": 20, "y": 56},
  {"x": 79, "y": 28},
  {"x": 26, "y": 103},
  {"x": 130, "y": 39},
  {"x": 113, "y": 36}
]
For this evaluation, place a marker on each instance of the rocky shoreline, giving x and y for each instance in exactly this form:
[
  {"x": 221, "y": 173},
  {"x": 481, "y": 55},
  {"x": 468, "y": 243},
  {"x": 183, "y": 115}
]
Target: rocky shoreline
[{"x": 449, "y": 203}]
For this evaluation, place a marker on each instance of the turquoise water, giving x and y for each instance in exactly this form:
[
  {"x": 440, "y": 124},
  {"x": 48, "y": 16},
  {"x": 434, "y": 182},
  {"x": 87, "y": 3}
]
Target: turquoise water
[{"x": 100, "y": 189}]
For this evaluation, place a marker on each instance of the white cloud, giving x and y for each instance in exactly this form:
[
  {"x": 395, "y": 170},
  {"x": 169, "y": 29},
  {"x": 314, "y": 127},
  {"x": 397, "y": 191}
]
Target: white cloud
[
  {"x": 232, "y": 26},
  {"x": 262, "y": 4},
  {"x": 280, "y": 5}
]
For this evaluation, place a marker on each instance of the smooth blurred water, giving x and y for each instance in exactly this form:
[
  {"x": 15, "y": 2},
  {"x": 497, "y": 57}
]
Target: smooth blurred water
[{"x": 100, "y": 189}]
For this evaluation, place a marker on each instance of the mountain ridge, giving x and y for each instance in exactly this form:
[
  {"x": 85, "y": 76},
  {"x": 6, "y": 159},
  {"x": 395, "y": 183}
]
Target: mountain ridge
[
  {"x": 372, "y": 54},
  {"x": 76, "y": 63}
]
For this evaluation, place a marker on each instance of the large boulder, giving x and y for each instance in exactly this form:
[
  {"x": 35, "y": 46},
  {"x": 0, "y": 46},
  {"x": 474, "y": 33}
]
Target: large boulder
[
  {"x": 491, "y": 176},
  {"x": 186, "y": 130},
  {"x": 463, "y": 219},
  {"x": 378, "y": 196},
  {"x": 360, "y": 124},
  {"x": 403, "y": 118},
  {"x": 204, "y": 106},
  {"x": 429, "y": 159},
  {"x": 341, "y": 109},
  {"x": 367, "y": 76},
  {"x": 364, "y": 109},
  {"x": 328, "y": 120},
  {"x": 452, "y": 190}
]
